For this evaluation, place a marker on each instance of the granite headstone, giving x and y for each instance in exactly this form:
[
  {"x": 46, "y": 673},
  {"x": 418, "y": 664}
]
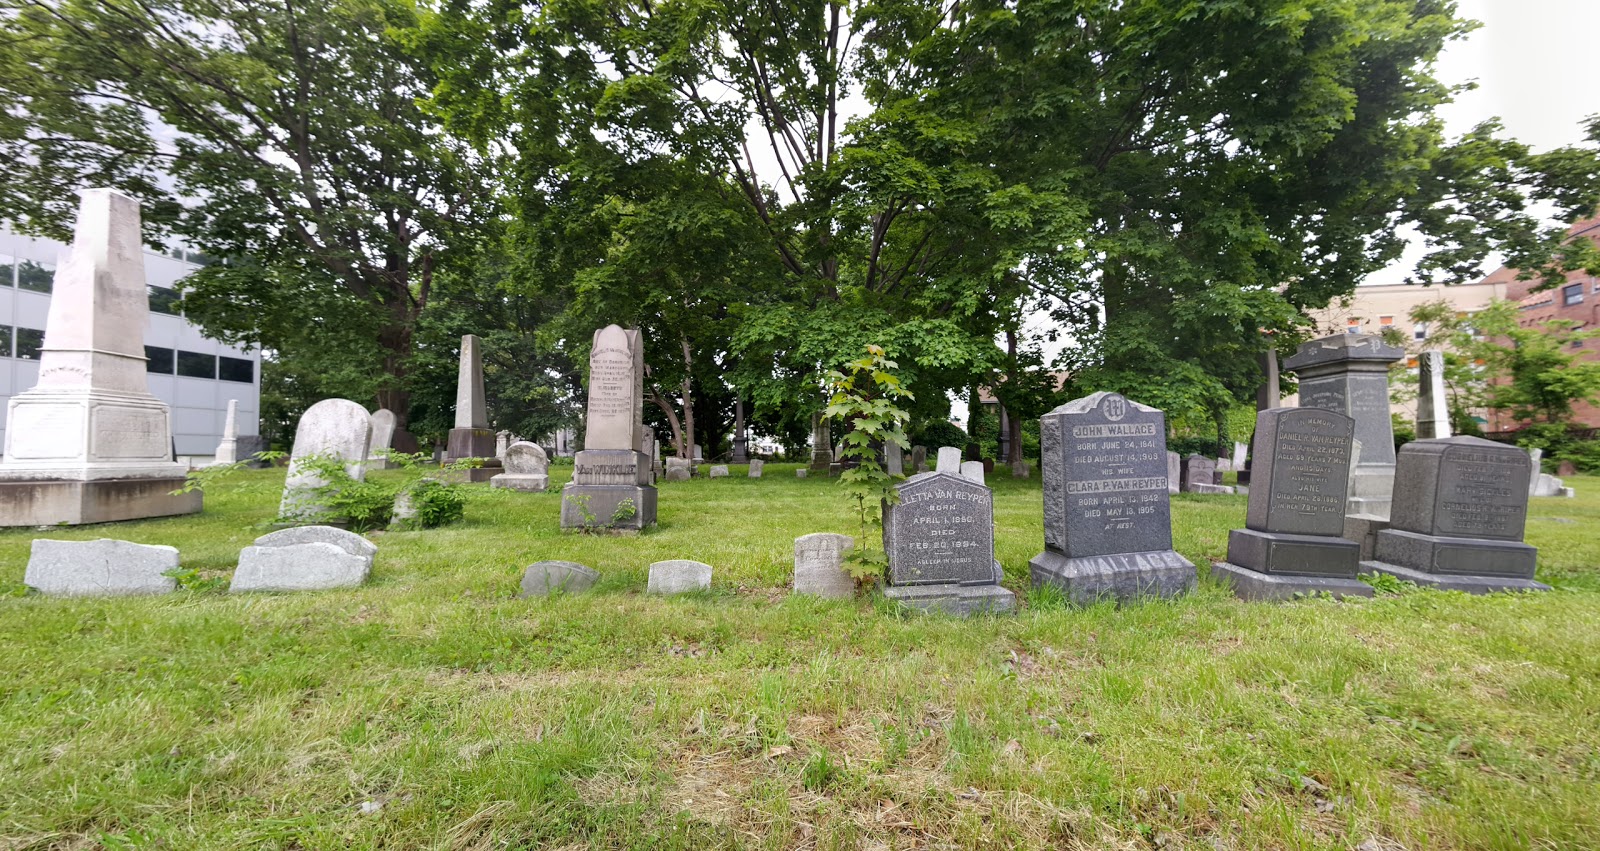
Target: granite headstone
[
  {"x": 819, "y": 565},
  {"x": 1349, "y": 374},
  {"x": 940, "y": 544}
]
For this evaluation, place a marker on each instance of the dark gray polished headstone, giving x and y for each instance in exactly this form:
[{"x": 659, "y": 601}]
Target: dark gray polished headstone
[
  {"x": 1349, "y": 374},
  {"x": 1107, "y": 513},
  {"x": 940, "y": 544},
  {"x": 1461, "y": 505}
]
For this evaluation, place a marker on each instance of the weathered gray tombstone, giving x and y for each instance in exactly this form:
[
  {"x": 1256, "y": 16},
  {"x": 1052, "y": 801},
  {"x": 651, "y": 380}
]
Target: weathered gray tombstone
[
  {"x": 502, "y": 440},
  {"x": 102, "y": 568},
  {"x": 1174, "y": 470},
  {"x": 821, "y": 450},
  {"x": 89, "y": 443},
  {"x": 1292, "y": 542},
  {"x": 543, "y": 578},
  {"x": 1199, "y": 474},
  {"x": 678, "y": 576},
  {"x": 1536, "y": 457},
  {"x": 679, "y": 469},
  {"x": 972, "y": 471},
  {"x": 612, "y": 483},
  {"x": 1107, "y": 511},
  {"x": 472, "y": 438},
  {"x": 1460, "y": 509},
  {"x": 719, "y": 471},
  {"x": 526, "y": 467},
  {"x": 337, "y": 428},
  {"x": 304, "y": 558},
  {"x": 383, "y": 424},
  {"x": 1349, "y": 374},
  {"x": 1566, "y": 468},
  {"x": 1433, "y": 407},
  {"x": 919, "y": 459},
  {"x": 894, "y": 459},
  {"x": 1545, "y": 484},
  {"x": 228, "y": 446},
  {"x": 1240, "y": 454},
  {"x": 948, "y": 461},
  {"x": 755, "y": 468},
  {"x": 800, "y": 473},
  {"x": 819, "y": 565},
  {"x": 940, "y": 544}
]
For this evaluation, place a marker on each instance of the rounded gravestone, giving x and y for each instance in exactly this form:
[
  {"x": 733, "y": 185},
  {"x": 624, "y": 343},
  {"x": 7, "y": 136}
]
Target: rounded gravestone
[
  {"x": 678, "y": 576},
  {"x": 524, "y": 458},
  {"x": 568, "y": 577}
]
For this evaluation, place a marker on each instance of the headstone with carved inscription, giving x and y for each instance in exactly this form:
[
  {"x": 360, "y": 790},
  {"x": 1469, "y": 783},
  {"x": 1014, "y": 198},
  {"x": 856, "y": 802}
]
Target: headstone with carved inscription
[
  {"x": 1293, "y": 541},
  {"x": 612, "y": 483},
  {"x": 940, "y": 544},
  {"x": 1107, "y": 512},
  {"x": 1461, "y": 504},
  {"x": 1349, "y": 374},
  {"x": 821, "y": 450}
]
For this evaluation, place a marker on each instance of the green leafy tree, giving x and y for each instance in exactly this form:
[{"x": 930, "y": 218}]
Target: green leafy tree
[
  {"x": 285, "y": 138},
  {"x": 865, "y": 397}
]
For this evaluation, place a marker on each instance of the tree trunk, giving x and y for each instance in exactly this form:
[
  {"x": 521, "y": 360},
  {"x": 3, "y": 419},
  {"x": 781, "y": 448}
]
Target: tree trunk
[
  {"x": 672, "y": 419},
  {"x": 688, "y": 399},
  {"x": 1013, "y": 425}
]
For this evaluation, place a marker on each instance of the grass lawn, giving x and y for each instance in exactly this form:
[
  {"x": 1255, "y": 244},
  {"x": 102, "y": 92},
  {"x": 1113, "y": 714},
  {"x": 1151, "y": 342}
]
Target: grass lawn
[{"x": 432, "y": 709}]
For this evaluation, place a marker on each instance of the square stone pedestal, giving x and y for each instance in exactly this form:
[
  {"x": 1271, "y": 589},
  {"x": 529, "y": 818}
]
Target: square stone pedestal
[
  {"x": 1279, "y": 565},
  {"x": 469, "y": 443},
  {"x": 1473, "y": 565},
  {"x": 956, "y": 598},
  {"x": 1124, "y": 577},
  {"x": 525, "y": 482},
  {"x": 601, "y": 480},
  {"x": 75, "y": 503}
]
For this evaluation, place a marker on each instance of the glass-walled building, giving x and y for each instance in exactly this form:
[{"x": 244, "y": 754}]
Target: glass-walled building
[{"x": 195, "y": 376}]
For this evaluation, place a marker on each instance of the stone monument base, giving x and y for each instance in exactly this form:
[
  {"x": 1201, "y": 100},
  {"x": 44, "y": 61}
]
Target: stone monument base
[
  {"x": 75, "y": 503},
  {"x": 1123, "y": 577},
  {"x": 958, "y": 600},
  {"x": 471, "y": 475},
  {"x": 1451, "y": 582},
  {"x": 1250, "y": 585},
  {"x": 1371, "y": 493},
  {"x": 469, "y": 443},
  {"x": 595, "y": 506},
  {"x": 1364, "y": 529},
  {"x": 526, "y": 482},
  {"x": 1279, "y": 565}
]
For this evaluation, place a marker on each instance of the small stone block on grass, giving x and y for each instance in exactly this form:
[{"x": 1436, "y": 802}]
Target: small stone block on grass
[
  {"x": 678, "y": 576},
  {"x": 819, "y": 565},
  {"x": 719, "y": 471},
  {"x": 102, "y": 568},
  {"x": 567, "y": 577},
  {"x": 304, "y": 558}
]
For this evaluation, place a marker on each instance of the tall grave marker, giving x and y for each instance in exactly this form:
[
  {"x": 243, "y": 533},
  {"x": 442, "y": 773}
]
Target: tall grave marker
[
  {"x": 472, "y": 438},
  {"x": 1293, "y": 540},
  {"x": 1349, "y": 374},
  {"x": 1107, "y": 514},
  {"x": 940, "y": 543},
  {"x": 1433, "y": 408},
  {"x": 612, "y": 481},
  {"x": 89, "y": 443},
  {"x": 1461, "y": 504}
]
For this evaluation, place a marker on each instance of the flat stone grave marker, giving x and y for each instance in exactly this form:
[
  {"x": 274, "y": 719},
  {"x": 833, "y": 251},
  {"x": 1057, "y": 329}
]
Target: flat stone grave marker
[
  {"x": 678, "y": 576},
  {"x": 800, "y": 473},
  {"x": 102, "y": 568},
  {"x": 940, "y": 544},
  {"x": 755, "y": 468},
  {"x": 818, "y": 565},
  {"x": 567, "y": 577},
  {"x": 1460, "y": 509},
  {"x": 1293, "y": 543},
  {"x": 304, "y": 558},
  {"x": 719, "y": 471},
  {"x": 1107, "y": 511}
]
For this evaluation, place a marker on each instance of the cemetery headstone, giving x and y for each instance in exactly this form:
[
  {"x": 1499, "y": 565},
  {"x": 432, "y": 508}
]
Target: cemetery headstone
[
  {"x": 679, "y": 469},
  {"x": 102, "y": 568},
  {"x": 1200, "y": 476},
  {"x": 612, "y": 483},
  {"x": 755, "y": 468},
  {"x": 741, "y": 442},
  {"x": 1460, "y": 509},
  {"x": 948, "y": 461},
  {"x": 1240, "y": 454},
  {"x": 800, "y": 473},
  {"x": 973, "y": 471},
  {"x": 1174, "y": 470},
  {"x": 228, "y": 447},
  {"x": 1293, "y": 542},
  {"x": 678, "y": 576},
  {"x": 919, "y": 459},
  {"x": 88, "y": 443},
  {"x": 1020, "y": 469},
  {"x": 719, "y": 471},
  {"x": 383, "y": 424},
  {"x": 567, "y": 577},
  {"x": 304, "y": 558},
  {"x": 1107, "y": 509},
  {"x": 894, "y": 459},
  {"x": 472, "y": 438},
  {"x": 526, "y": 467},
  {"x": 819, "y": 565},
  {"x": 940, "y": 544},
  {"x": 502, "y": 439},
  {"x": 1433, "y": 408},
  {"x": 1566, "y": 468},
  {"x": 1349, "y": 374},
  {"x": 337, "y": 428},
  {"x": 821, "y": 449}
]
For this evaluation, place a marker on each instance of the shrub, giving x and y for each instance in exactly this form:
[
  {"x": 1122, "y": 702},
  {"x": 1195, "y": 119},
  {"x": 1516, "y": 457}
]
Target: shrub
[
  {"x": 437, "y": 503},
  {"x": 936, "y": 433}
]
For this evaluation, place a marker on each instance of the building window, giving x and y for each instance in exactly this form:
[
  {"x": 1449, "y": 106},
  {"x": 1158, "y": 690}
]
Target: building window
[
  {"x": 1386, "y": 321},
  {"x": 1421, "y": 331},
  {"x": 1572, "y": 294},
  {"x": 1352, "y": 326},
  {"x": 5, "y": 341},
  {"x": 8, "y": 270},
  {"x": 29, "y": 342},
  {"x": 35, "y": 276},
  {"x": 238, "y": 369},
  {"x": 159, "y": 360},
  {"x": 196, "y": 365},
  {"x": 163, "y": 300}
]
